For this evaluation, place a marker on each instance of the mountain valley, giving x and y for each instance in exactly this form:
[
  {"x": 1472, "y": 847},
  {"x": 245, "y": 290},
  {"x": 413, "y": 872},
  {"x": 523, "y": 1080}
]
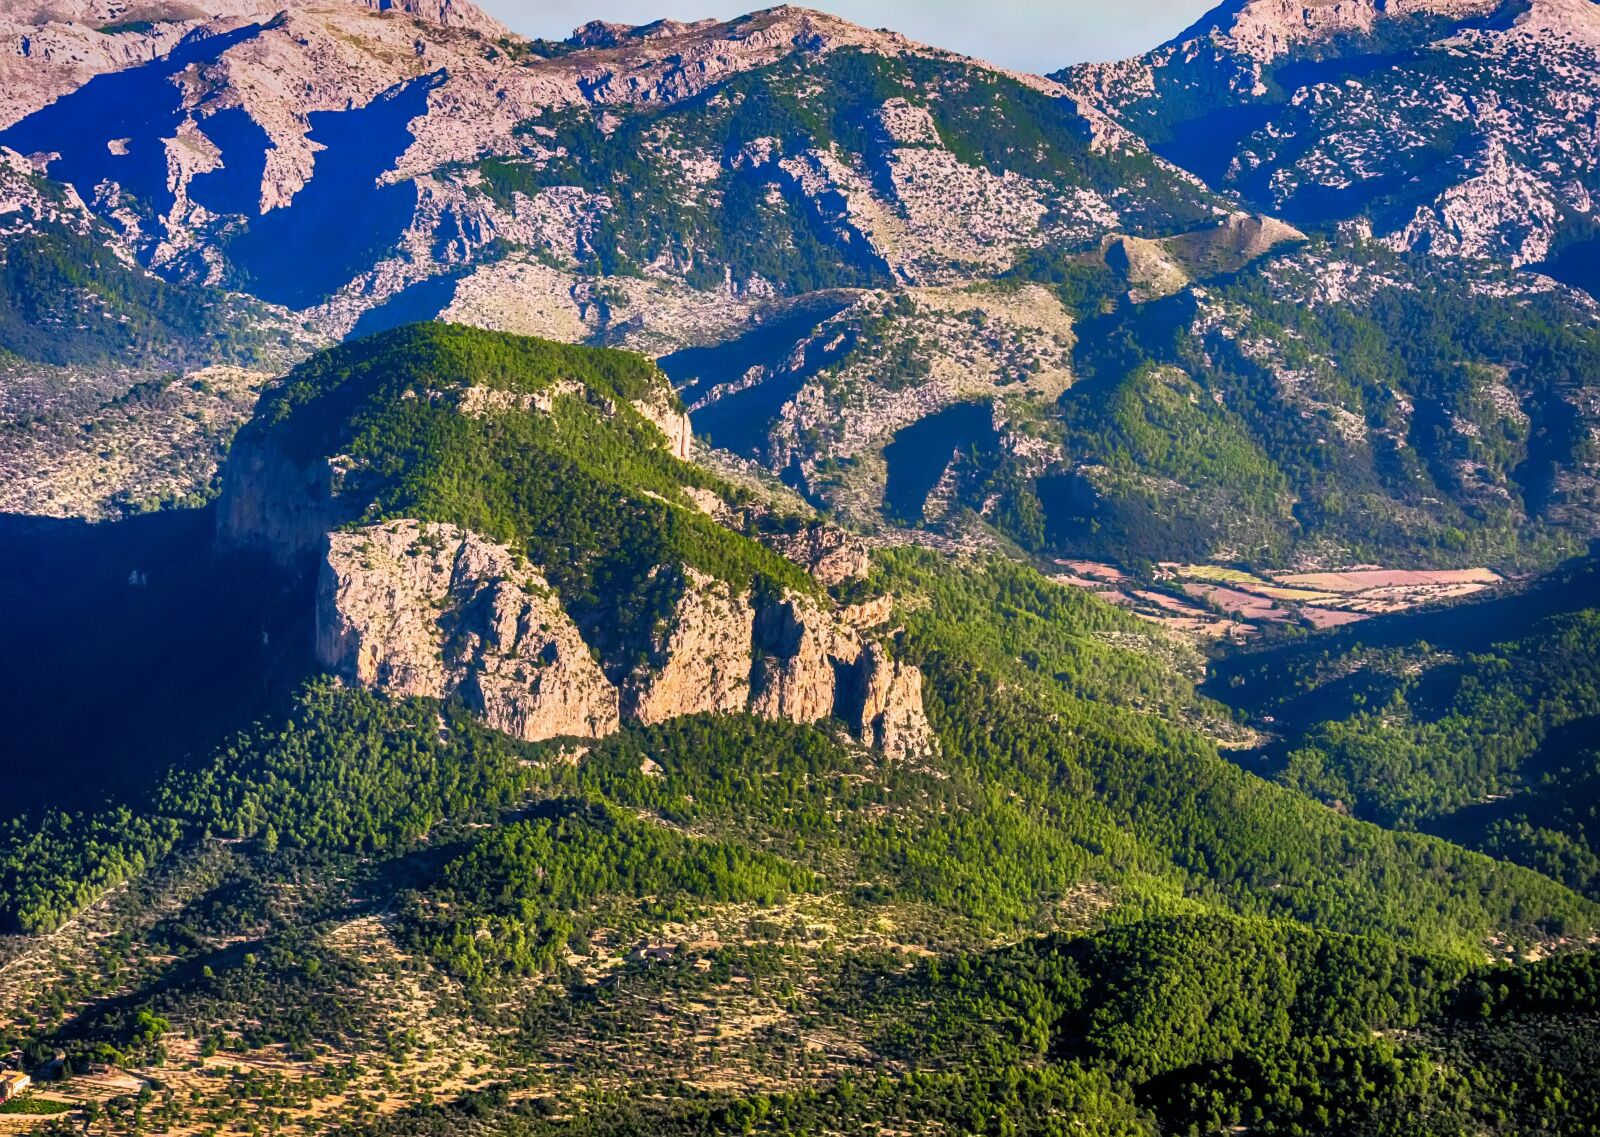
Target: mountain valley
[{"x": 758, "y": 576}]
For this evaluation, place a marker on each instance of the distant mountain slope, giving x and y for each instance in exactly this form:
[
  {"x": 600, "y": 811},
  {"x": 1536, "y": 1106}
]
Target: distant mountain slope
[
  {"x": 1463, "y": 128},
  {"x": 58, "y": 45},
  {"x": 925, "y": 291},
  {"x": 226, "y": 173}
]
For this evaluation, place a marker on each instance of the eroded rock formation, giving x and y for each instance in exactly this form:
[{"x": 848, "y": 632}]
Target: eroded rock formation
[
  {"x": 436, "y": 611},
  {"x": 701, "y": 661},
  {"x": 275, "y": 503},
  {"x": 421, "y": 609}
]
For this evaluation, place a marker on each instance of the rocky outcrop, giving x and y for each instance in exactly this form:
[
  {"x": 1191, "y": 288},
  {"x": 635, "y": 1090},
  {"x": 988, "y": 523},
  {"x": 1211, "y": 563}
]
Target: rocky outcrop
[
  {"x": 671, "y": 420},
  {"x": 275, "y": 503},
  {"x": 811, "y": 665},
  {"x": 446, "y": 13},
  {"x": 801, "y": 654},
  {"x": 1503, "y": 211},
  {"x": 701, "y": 659},
  {"x": 431, "y": 610},
  {"x": 436, "y": 611},
  {"x": 1267, "y": 29},
  {"x": 829, "y": 554},
  {"x": 1149, "y": 270},
  {"x": 890, "y": 716}
]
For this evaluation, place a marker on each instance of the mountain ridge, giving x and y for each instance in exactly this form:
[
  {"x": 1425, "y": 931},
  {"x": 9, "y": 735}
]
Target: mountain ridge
[{"x": 757, "y": 577}]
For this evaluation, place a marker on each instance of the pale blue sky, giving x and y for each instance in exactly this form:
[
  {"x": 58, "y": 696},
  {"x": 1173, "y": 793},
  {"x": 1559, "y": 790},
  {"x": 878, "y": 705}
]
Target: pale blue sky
[{"x": 1030, "y": 36}]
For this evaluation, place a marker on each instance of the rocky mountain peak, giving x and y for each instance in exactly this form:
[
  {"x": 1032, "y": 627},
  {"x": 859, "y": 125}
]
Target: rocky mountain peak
[
  {"x": 605, "y": 33},
  {"x": 1264, "y": 30},
  {"x": 447, "y": 13}
]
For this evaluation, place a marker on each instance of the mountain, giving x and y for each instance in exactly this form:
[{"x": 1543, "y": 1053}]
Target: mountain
[
  {"x": 756, "y": 576},
  {"x": 471, "y": 452},
  {"x": 1463, "y": 128},
  {"x": 481, "y": 171},
  {"x": 593, "y": 786},
  {"x": 452, "y": 142},
  {"x": 896, "y": 277}
]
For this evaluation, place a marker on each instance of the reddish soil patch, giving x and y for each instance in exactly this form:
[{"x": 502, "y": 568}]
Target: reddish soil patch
[
  {"x": 1360, "y": 580},
  {"x": 1240, "y": 603},
  {"x": 1321, "y": 618},
  {"x": 1094, "y": 570}
]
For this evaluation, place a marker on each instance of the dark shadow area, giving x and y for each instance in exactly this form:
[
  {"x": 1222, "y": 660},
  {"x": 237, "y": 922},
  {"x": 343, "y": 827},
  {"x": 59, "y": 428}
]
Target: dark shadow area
[
  {"x": 135, "y": 109},
  {"x": 414, "y": 304},
  {"x": 919, "y": 454},
  {"x": 1565, "y": 755},
  {"x": 236, "y": 187},
  {"x": 1206, "y": 145},
  {"x": 343, "y": 220},
  {"x": 739, "y": 421},
  {"x": 128, "y": 648},
  {"x": 695, "y": 371},
  {"x": 1577, "y": 265}
]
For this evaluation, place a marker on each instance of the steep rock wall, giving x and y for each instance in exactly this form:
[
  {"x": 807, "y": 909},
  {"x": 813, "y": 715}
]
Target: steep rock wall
[
  {"x": 432, "y": 610},
  {"x": 437, "y": 611}
]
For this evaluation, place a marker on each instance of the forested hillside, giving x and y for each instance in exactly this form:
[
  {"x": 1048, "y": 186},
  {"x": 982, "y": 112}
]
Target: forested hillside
[
  {"x": 756, "y": 576},
  {"x": 1070, "y": 913},
  {"x": 1479, "y": 723}
]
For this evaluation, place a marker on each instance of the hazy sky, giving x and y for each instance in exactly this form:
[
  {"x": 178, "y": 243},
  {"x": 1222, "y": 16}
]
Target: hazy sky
[{"x": 1031, "y": 35}]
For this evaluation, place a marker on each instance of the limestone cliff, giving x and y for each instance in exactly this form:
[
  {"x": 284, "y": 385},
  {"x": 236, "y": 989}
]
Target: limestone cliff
[
  {"x": 275, "y": 503},
  {"x": 432, "y": 610},
  {"x": 436, "y": 611},
  {"x": 701, "y": 661},
  {"x": 801, "y": 654},
  {"x": 891, "y": 716},
  {"x": 671, "y": 420},
  {"x": 813, "y": 665}
]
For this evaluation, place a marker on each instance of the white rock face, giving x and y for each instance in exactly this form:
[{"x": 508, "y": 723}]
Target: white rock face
[
  {"x": 829, "y": 554},
  {"x": 671, "y": 421},
  {"x": 51, "y": 47},
  {"x": 802, "y": 653},
  {"x": 1503, "y": 211},
  {"x": 891, "y": 717},
  {"x": 436, "y": 611},
  {"x": 1482, "y": 144},
  {"x": 1266, "y": 29},
  {"x": 472, "y": 97},
  {"x": 701, "y": 659}
]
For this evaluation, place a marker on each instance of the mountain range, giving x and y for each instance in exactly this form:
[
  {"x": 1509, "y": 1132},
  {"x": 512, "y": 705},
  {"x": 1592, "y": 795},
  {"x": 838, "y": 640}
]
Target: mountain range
[
  {"x": 758, "y": 576},
  {"x": 845, "y": 247}
]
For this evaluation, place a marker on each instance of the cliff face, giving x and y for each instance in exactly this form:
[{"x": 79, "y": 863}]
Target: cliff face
[
  {"x": 671, "y": 420},
  {"x": 891, "y": 717},
  {"x": 701, "y": 661},
  {"x": 275, "y": 504},
  {"x": 436, "y": 611}
]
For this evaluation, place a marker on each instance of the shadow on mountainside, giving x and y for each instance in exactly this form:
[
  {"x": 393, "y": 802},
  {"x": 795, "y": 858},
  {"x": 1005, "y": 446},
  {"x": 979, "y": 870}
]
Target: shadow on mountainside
[{"x": 126, "y": 648}]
